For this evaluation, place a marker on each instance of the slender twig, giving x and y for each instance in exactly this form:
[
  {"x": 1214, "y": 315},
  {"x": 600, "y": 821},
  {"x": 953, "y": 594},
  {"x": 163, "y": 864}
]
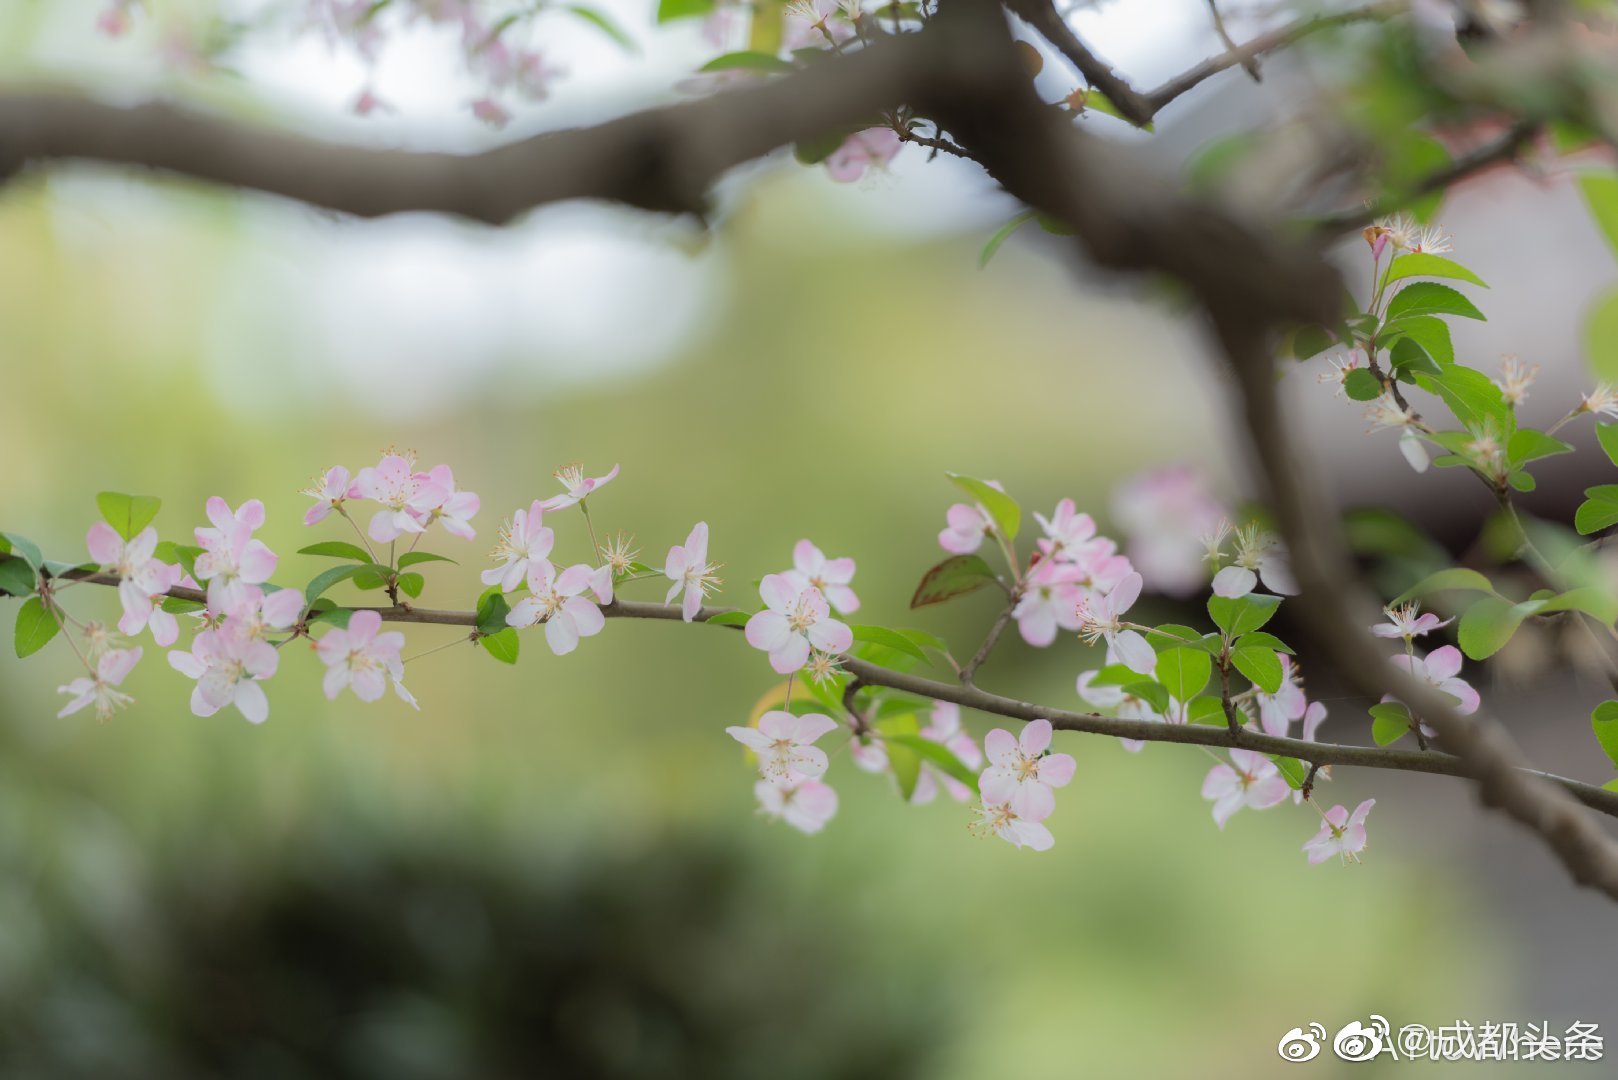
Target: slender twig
[
  {"x": 1250, "y": 64},
  {"x": 999, "y": 627}
]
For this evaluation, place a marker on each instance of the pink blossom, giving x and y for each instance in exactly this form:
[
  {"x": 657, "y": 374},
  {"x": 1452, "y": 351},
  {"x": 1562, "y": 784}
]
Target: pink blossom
[
  {"x": 231, "y": 558},
  {"x": 814, "y": 24},
  {"x": 406, "y": 496},
  {"x": 491, "y": 112},
  {"x": 102, "y": 689},
  {"x": 142, "y": 579},
  {"x": 330, "y": 492},
  {"x": 1002, "y": 821},
  {"x": 363, "y": 659},
  {"x": 793, "y": 622},
  {"x": 1404, "y": 622},
  {"x": 258, "y": 612},
  {"x": 1441, "y": 669},
  {"x": 1100, "y": 618},
  {"x": 1066, "y": 531},
  {"x": 1126, "y": 706},
  {"x": 524, "y": 543},
  {"x": 1021, "y": 774},
  {"x": 1340, "y": 834},
  {"x": 366, "y": 103},
  {"x": 558, "y": 601},
  {"x": 784, "y": 744},
  {"x": 812, "y": 570},
  {"x": 965, "y": 526},
  {"x": 1050, "y": 599},
  {"x": 228, "y": 668},
  {"x": 806, "y": 805},
  {"x": 1164, "y": 513},
  {"x": 1313, "y": 717},
  {"x": 1251, "y": 780},
  {"x": 688, "y": 567},
  {"x": 944, "y": 727},
  {"x": 871, "y": 148},
  {"x": 578, "y": 486},
  {"x": 456, "y": 510},
  {"x": 1278, "y": 711}
]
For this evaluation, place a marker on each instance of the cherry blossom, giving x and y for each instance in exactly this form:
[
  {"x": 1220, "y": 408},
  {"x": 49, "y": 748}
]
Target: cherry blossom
[
  {"x": 1100, "y": 619},
  {"x": 231, "y": 558},
  {"x": 1278, "y": 711},
  {"x": 406, "y": 496},
  {"x": 558, "y": 601},
  {"x": 805, "y": 804},
  {"x": 1250, "y": 780},
  {"x": 1515, "y": 379},
  {"x": 330, "y": 492},
  {"x": 1021, "y": 774},
  {"x": 228, "y": 668},
  {"x": 578, "y": 486},
  {"x": 1066, "y": 531},
  {"x": 794, "y": 621},
  {"x": 363, "y": 659},
  {"x": 812, "y": 570},
  {"x": 944, "y": 727},
  {"x": 1341, "y": 833},
  {"x": 257, "y": 612},
  {"x": 1440, "y": 669},
  {"x": 1163, "y": 513},
  {"x": 1405, "y": 622},
  {"x": 1259, "y": 556},
  {"x": 1002, "y": 821},
  {"x": 784, "y": 744},
  {"x": 523, "y": 543},
  {"x": 813, "y": 24},
  {"x": 965, "y": 526},
  {"x": 1050, "y": 599},
  {"x": 872, "y": 148},
  {"x": 141, "y": 579},
  {"x": 455, "y": 512},
  {"x": 688, "y": 567},
  {"x": 101, "y": 690}
]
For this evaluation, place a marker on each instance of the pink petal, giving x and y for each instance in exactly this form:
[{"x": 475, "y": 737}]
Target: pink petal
[
  {"x": 768, "y": 630},
  {"x": 1057, "y": 769},
  {"x": 791, "y": 656},
  {"x": 1035, "y": 738},
  {"x": 777, "y": 592}
]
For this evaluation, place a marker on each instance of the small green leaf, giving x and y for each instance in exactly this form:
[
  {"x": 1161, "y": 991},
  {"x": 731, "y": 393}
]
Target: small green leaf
[
  {"x": 1291, "y": 769},
  {"x": 955, "y": 576},
  {"x": 1428, "y": 331},
  {"x": 1473, "y": 397},
  {"x": 1262, "y": 641},
  {"x": 184, "y": 554},
  {"x": 1243, "y": 614},
  {"x": 337, "y": 549},
  {"x": 492, "y": 611},
  {"x": 24, "y": 547},
  {"x": 1002, "y": 508},
  {"x": 607, "y": 26},
  {"x": 35, "y": 627},
  {"x": 1001, "y": 235},
  {"x": 411, "y": 558},
  {"x": 1601, "y": 336},
  {"x": 175, "y": 605},
  {"x": 1598, "y": 511},
  {"x": 1521, "y": 481},
  {"x": 1184, "y": 672},
  {"x": 937, "y": 754},
  {"x": 1431, "y": 298},
  {"x": 1174, "y": 636},
  {"x": 1407, "y": 358},
  {"x": 411, "y": 584},
  {"x": 17, "y": 578},
  {"x": 1605, "y": 722},
  {"x": 905, "y": 762},
  {"x": 1390, "y": 722},
  {"x": 1488, "y": 624},
  {"x": 327, "y": 578},
  {"x": 1608, "y": 436},
  {"x": 1153, "y": 693},
  {"x": 1456, "y": 577},
  {"x": 1361, "y": 385},
  {"x": 1206, "y": 710},
  {"x": 669, "y": 10},
  {"x": 128, "y": 514},
  {"x": 1421, "y": 264},
  {"x": 730, "y": 618},
  {"x": 749, "y": 61},
  {"x": 1530, "y": 445},
  {"x": 502, "y": 645},
  {"x": 880, "y": 635},
  {"x": 1259, "y": 665}
]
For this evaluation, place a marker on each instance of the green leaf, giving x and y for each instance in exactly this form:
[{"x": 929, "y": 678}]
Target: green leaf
[
  {"x": 338, "y": 549},
  {"x": 1390, "y": 722},
  {"x": 1473, "y": 397},
  {"x": 411, "y": 558},
  {"x": 1488, "y": 624},
  {"x": 669, "y": 10},
  {"x": 1308, "y": 341},
  {"x": 1153, "y": 693},
  {"x": 1421, "y": 264},
  {"x": 128, "y": 514},
  {"x": 1427, "y": 331},
  {"x": 905, "y": 762},
  {"x": 327, "y": 578},
  {"x": 1605, "y": 722},
  {"x": 1430, "y": 298},
  {"x": 1184, "y": 672},
  {"x": 1001, "y": 235},
  {"x": 1291, "y": 769},
  {"x": 880, "y": 635},
  {"x": 1456, "y": 577},
  {"x": 1607, "y": 434},
  {"x": 1002, "y": 508},
  {"x": 184, "y": 554},
  {"x": 1206, "y": 710},
  {"x": 20, "y": 545},
  {"x": 1598, "y": 511},
  {"x": 1530, "y": 445},
  {"x": 1522, "y": 481},
  {"x": 1600, "y": 192},
  {"x": 937, "y": 754},
  {"x": 411, "y": 584},
  {"x": 17, "y": 578},
  {"x": 1174, "y": 636},
  {"x": 502, "y": 645},
  {"x": 1361, "y": 385},
  {"x": 1243, "y": 614},
  {"x": 175, "y": 605},
  {"x": 35, "y": 627},
  {"x": 1590, "y": 599},
  {"x": 749, "y": 61},
  {"x": 730, "y": 618},
  {"x": 955, "y": 576},
  {"x": 601, "y": 22},
  {"x": 1601, "y": 336},
  {"x": 1259, "y": 665},
  {"x": 492, "y": 611},
  {"x": 1408, "y": 358},
  {"x": 1262, "y": 641}
]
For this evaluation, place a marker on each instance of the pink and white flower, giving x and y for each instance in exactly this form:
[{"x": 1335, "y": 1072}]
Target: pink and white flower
[
  {"x": 805, "y": 804},
  {"x": 784, "y": 744},
  {"x": 456, "y": 510},
  {"x": 407, "y": 497},
  {"x": 258, "y": 612},
  {"x": 1406, "y": 622},
  {"x": 101, "y": 690},
  {"x": 1164, "y": 513},
  {"x": 1021, "y": 774},
  {"x": 228, "y": 668},
  {"x": 330, "y": 492},
  {"x": 1050, "y": 599},
  {"x": 688, "y": 567},
  {"x": 1101, "y": 618},
  {"x": 1278, "y": 711},
  {"x": 965, "y": 526},
  {"x": 523, "y": 543},
  {"x": 1066, "y": 531},
  {"x": 1002, "y": 821},
  {"x": 578, "y": 486},
  {"x": 944, "y": 727},
  {"x": 1250, "y": 780},
  {"x": 558, "y": 600},
  {"x": 1341, "y": 833},
  {"x": 363, "y": 659},
  {"x": 231, "y": 559},
  {"x": 812, "y": 570},
  {"x": 793, "y": 622},
  {"x": 142, "y": 579},
  {"x": 872, "y": 148},
  {"x": 1441, "y": 670}
]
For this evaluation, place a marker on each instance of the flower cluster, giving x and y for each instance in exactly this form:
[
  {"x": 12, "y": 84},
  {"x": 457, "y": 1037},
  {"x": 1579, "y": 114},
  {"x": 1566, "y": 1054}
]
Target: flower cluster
[{"x": 1018, "y": 786}]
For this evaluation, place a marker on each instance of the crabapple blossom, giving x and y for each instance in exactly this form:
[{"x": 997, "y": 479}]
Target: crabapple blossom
[
  {"x": 1341, "y": 833},
  {"x": 141, "y": 578},
  {"x": 406, "y": 496},
  {"x": 805, "y": 804},
  {"x": 965, "y": 526},
  {"x": 784, "y": 744},
  {"x": 1050, "y": 599},
  {"x": 688, "y": 567},
  {"x": 330, "y": 492},
  {"x": 1278, "y": 711},
  {"x": 1100, "y": 619},
  {"x": 558, "y": 601},
  {"x": 1163, "y": 512},
  {"x": 944, "y": 728},
  {"x": 1441, "y": 669},
  {"x": 455, "y": 512},
  {"x": 523, "y": 543},
  {"x": 1259, "y": 556},
  {"x": 1250, "y": 780},
  {"x": 1002, "y": 821},
  {"x": 794, "y": 621},
  {"x": 101, "y": 690},
  {"x": 1341, "y": 369},
  {"x": 1021, "y": 774},
  {"x": 578, "y": 486},
  {"x": 811, "y": 569},
  {"x": 258, "y": 612},
  {"x": 1313, "y": 717},
  {"x": 228, "y": 668},
  {"x": 872, "y": 148},
  {"x": 1066, "y": 531},
  {"x": 1515, "y": 379},
  {"x": 361, "y": 658},
  {"x": 1405, "y": 622},
  {"x": 1127, "y": 706},
  {"x": 814, "y": 24},
  {"x": 231, "y": 559}
]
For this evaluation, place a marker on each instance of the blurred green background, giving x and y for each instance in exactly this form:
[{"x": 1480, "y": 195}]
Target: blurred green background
[{"x": 555, "y": 869}]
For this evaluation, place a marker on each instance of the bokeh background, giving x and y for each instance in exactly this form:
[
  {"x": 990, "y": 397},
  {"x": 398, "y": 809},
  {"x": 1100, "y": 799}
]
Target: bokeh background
[{"x": 556, "y": 869}]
